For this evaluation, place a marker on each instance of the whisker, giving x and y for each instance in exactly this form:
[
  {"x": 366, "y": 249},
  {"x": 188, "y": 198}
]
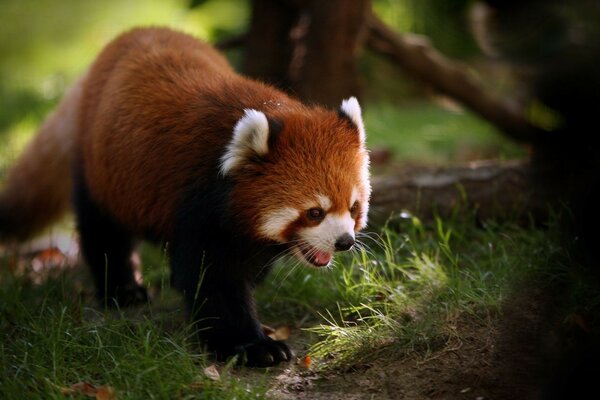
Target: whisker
[
  {"x": 373, "y": 237},
  {"x": 363, "y": 247}
]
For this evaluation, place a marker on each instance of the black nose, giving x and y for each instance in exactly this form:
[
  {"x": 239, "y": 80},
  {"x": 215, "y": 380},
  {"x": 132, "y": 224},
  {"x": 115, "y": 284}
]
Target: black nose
[{"x": 344, "y": 242}]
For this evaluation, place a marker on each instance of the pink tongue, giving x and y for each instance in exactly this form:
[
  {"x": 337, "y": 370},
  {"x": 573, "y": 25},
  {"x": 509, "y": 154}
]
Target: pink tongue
[{"x": 322, "y": 258}]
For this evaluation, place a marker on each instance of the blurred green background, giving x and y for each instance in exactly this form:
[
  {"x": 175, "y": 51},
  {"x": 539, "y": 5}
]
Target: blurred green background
[{"x": 45, "y": 44}]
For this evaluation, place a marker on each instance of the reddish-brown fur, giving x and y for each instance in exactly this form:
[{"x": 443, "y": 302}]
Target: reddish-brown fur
[
  {"x": 164, "y": 124},
  {"x": 314, "y": 154},
  {"x": 166, "y": 117},
  {"x": 152, "y": 122},
  {"x": 37, "y": 189}
]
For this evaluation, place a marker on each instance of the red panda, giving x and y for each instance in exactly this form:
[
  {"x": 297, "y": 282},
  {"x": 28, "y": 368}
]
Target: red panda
[{"x": 170, "y": 144}]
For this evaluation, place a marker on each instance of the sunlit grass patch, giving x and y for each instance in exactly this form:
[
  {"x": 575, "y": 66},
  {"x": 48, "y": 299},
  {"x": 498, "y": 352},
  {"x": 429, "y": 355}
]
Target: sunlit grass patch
[{"x": 405, "y": 299}]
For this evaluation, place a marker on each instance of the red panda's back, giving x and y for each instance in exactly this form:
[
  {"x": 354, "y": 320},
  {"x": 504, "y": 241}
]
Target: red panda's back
[{"x": 142, "y": 133}]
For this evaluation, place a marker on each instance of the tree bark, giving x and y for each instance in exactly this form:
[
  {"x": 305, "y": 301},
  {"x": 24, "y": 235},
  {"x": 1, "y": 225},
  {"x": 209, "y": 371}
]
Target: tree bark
[
  {"x": 491, "y": 190},
  {"x": 308, "y": 47},
  {"x": 328, "y": 70},
  {"x": 268, "y": 48}
]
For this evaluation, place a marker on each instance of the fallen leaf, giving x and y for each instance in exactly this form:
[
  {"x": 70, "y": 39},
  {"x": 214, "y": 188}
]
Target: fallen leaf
[
  {"x": 267, "y": 330},
  {"x": 212, "y": 372},
  {"x": 48, "y": 258},
  {"x": 281, "y": 333},
  {"x": 577, "y": 321},
  {"x": 84, "y": 388},
  {"x": 89, "y": 390},
  {"x": 106, "y": 393},
  {"x": 305, "y": 362}
]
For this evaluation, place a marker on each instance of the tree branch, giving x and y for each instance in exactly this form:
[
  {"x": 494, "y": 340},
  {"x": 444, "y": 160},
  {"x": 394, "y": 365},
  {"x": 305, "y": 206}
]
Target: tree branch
[{"x": 415, "y": 54}]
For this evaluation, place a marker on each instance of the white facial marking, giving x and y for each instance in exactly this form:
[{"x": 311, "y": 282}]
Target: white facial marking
[
  {"x": 351, "y": 108},
  {"x": 275, "y": 222},
  {"x": 324, "y": 202},
  {"x": 250, "y": 135},
  {"x": 324, "y": 235},
  {"x": 365, "y": 184}
]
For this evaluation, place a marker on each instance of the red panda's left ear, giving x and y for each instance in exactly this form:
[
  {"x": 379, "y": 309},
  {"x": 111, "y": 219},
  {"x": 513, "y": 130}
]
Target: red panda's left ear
[
  {"x": 250, "y": 138},
  {"x": 351, "y": 109}
]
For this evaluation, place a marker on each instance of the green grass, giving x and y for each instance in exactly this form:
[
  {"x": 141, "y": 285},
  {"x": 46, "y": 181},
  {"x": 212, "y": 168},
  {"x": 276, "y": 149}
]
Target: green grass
[
  {"x": 407, "y": 300},
  {"x": 402, "y": 293},
  {"x": 424, "y": 132},
  {"x": 45, "y": 45},
  {"x": 50, "y": 338},
  {"x": 399, "y": 295}
]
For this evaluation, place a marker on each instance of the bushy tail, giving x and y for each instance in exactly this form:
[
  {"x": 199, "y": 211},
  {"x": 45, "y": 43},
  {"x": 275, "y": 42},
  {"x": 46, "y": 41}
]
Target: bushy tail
[{"x": 37, "y": 189}]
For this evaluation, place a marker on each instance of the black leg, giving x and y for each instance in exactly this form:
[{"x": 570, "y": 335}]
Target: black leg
[
  {"x": 107, "y": 250},
  {"x": 216, "y": 268},
  {"x": 218, "y": 294}
]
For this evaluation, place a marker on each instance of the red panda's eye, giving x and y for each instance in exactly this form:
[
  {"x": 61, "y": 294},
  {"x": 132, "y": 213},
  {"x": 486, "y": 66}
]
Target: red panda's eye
[{"x": 316, "y": 214}]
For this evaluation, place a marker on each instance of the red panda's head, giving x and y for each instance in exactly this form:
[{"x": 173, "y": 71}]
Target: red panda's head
[{"x": 301, "y": 178}]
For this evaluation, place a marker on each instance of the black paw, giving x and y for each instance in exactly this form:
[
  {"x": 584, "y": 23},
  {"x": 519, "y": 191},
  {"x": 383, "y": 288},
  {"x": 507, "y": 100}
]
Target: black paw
[
  {"x": 126, "y": 296},
  {"x": 264, "y": 353}
]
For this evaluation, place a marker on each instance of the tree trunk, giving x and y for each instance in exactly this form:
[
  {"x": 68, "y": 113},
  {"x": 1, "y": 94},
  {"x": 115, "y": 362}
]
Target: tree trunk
[
  {"x": 268, "y": 46},
  {"x": 328, "y": 71},
  {"x": 308, "y": 47}
]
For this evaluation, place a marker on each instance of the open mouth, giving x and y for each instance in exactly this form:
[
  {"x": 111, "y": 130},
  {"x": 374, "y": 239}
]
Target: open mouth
[{"x": 316, "y": 257}]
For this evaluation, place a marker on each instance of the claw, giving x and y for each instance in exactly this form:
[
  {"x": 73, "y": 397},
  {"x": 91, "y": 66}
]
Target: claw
[{"x": 266, "y": 353}]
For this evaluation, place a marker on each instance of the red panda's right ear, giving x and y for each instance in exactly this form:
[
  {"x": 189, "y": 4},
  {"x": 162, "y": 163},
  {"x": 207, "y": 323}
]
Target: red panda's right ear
[
  {"x": 351, "y": 109},
  {"x": 250, "y": 138}
]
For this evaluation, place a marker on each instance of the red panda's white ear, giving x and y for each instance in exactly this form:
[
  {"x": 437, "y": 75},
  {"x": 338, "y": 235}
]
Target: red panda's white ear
[
  {"x": 250, "y": 137},
  {"x": 351, "y": 109}
]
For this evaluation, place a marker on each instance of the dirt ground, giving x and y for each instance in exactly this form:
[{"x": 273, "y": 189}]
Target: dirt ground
[
  {"x": 530, "y": 351},
  {"x": 465, "y": 368}
]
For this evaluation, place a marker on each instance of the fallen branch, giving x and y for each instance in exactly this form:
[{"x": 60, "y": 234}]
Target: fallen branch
[{"x": 490, "y": 189}]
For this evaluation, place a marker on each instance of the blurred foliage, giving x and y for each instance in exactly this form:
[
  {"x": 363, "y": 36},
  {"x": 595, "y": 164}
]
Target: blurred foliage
[
  {"x": 45, "y": 44},
  {"x": 430, "y": 133},
  {"x": 444, "y": 22}
]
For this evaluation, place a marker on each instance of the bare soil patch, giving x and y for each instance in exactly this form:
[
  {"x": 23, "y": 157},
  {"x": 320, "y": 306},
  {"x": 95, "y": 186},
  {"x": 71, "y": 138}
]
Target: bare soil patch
[{"x": 525, "y": 352}]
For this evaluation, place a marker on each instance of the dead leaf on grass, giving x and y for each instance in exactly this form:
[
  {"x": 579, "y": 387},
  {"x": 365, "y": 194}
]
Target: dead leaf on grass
[
  {"x": 89, "y": 390},
  {"x": 106, "y": 393},
  {"x": 280, "y": 333},
  {"x": 577, "y": 321},
  {"x": 49, "y": 256},
  {"x": 305, "y": 362},
  {"x": 212, "y": 372}
]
